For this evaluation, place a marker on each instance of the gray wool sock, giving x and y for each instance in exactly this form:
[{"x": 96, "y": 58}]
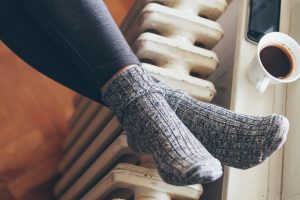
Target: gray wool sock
[
  {"x": 237, "y": 140},
  {"x": 153, "y": 127}
]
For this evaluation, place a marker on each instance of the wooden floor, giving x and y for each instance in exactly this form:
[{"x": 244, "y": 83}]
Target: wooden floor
[{"x": 34, "y": 113}]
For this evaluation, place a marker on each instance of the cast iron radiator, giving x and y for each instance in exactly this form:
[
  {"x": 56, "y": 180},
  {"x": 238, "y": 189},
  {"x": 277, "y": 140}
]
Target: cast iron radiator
[{"x": 173, "y": 39}]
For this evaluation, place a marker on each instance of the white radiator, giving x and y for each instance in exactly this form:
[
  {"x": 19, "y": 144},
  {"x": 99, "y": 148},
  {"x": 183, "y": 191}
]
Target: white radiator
[{"x": 173, "y": 39}]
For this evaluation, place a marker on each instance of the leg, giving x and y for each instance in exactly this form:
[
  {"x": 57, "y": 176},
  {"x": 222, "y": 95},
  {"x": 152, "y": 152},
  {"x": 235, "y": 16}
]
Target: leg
[
  {"x": 87, "y": 36},
  {"x": 237, "y": 140},
  {"x": 20, "y": 33},
  {"x": 85, "y": 33}
]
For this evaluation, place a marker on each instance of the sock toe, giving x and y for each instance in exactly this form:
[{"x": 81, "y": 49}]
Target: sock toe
[
  {"x": 210, "y": 172},
  {"x": 203, "y": 172},
  {"x": 282, "y": 124}
]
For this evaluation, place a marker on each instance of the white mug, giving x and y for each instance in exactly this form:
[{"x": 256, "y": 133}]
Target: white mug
[{"x": 257, "y": 73}]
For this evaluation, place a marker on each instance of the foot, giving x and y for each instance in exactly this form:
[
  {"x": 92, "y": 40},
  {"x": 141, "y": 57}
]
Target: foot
[
  {"x": 237, "y": 140},
  {"x": 153, "y": 127}
]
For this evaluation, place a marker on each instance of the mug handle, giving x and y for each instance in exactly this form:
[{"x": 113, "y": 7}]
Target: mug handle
[{"x": 262, "y": 84}]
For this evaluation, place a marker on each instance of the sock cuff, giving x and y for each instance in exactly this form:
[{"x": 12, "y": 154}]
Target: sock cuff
[
  {"x": 174, "y": 97},
  {"x": 126, "y": 87}
]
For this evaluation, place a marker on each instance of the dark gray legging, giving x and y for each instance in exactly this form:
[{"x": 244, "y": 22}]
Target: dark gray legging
[{"x": 75, "y": 42}]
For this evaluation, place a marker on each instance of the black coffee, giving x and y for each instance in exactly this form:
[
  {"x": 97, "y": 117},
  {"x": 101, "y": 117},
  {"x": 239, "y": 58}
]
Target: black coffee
[{"x": 276, "y": 61}]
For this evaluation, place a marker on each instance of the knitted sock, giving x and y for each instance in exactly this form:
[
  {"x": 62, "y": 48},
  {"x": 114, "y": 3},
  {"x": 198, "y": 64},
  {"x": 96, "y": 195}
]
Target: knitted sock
[
  {"x": 237, "y": 140},
  {"x": 153, "y": 127}
]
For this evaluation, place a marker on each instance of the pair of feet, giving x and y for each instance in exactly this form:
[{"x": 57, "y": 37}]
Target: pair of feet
[{"x": 189, "y": 139}]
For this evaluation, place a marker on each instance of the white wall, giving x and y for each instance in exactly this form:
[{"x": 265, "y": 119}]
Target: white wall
[
  {"x": 291, "y": 167},
  {"x": 295, "y": 20},
  {"x": 225, "y": 49}
]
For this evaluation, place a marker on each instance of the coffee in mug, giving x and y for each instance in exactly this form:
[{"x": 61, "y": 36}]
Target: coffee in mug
[{"x": 277, "y": 60}]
